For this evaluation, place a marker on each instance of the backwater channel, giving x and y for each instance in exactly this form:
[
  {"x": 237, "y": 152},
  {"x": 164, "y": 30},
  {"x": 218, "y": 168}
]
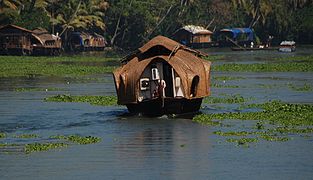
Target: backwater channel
[{"x": 136, "y": 147}]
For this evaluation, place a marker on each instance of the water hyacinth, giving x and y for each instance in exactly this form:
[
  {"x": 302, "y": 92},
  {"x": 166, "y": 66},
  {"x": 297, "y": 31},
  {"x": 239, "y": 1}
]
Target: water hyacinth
[
  {"x": 26, "y": 136},
  {"x": 2, "y": 135},
  {"x": 94, "y": 100},
  {"x": 36, "y": 147},
  {"x": 78, "y": 139}
]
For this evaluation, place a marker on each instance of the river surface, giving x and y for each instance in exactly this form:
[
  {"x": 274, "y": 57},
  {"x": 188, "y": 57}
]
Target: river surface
[{"x": 136, "y": 147}]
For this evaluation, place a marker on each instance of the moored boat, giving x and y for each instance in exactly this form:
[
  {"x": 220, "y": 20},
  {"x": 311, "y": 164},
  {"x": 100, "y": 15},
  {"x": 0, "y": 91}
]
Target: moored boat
[{"x": 287, "y": 46}]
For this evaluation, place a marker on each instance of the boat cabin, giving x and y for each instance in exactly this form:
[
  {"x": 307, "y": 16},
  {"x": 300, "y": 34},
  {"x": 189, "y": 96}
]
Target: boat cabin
[{"x": 162, "y": 77}]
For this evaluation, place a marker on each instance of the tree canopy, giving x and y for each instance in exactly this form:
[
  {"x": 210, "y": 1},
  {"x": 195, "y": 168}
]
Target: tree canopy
[{"x": 130, "y": 23}]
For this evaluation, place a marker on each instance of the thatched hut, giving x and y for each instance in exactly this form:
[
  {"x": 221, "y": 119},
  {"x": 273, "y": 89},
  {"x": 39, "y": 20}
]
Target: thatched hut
[
  {"x": 15, "y": 40},
  {"x": 163, "y": 77},
  {"x": 193, "y": 36},
  {"x": 46, "y": 44}
]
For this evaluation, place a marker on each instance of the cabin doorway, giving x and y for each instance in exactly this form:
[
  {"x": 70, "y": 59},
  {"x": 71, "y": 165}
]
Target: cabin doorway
[{"x": 168, "y": 78}]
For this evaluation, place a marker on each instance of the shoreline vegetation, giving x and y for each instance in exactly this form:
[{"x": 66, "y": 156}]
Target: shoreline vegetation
[{"x": 71, "y": 66}]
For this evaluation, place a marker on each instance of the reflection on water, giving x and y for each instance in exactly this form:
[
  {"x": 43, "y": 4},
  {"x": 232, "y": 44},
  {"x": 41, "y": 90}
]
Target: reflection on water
[{"x": 136, "y": 147}]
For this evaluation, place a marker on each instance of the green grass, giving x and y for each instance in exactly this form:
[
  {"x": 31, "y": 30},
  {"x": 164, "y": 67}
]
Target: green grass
[
  {"x": 13, "y": 66},
  {"x": 94, "y": 100}
]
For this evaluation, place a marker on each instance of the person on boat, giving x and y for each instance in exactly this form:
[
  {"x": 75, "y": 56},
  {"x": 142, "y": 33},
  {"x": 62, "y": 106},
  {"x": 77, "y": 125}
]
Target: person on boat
[{"x": 161, "y": 88}]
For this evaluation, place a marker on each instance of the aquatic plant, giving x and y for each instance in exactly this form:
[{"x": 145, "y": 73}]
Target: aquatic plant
[
  {"x": 36, "y": 89},
  {"x": 94, "y": 100},
  {"x": 215, "y": 85},
  {"x": 35, "y": 147},
  {"x": 12, "y": 66},
  {"x": 202, "y": 118},
  {"x": 305, "y": 87},
  {"x": 230, "y": 99},
  {"x": 276, "y": 112},
  {"x": 241, "y": 133},
  {"x": 243, "y": 141},
  {"x": 274, "y": 138},
  {"x": 227, "y": 78},
  {"x": 2, "y": 135},
  {"x": 266, "y": 67},
  {"x": 214, "y": 57},
  {"x": 78, "y": 139},
  {"x": 26, "y": 136}
]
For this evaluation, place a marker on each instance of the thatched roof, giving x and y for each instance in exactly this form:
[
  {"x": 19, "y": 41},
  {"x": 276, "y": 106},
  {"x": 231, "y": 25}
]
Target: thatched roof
[{"x": 186, "y": 62}]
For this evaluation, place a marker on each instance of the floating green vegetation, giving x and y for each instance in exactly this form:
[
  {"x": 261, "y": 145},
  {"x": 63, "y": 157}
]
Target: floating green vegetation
[
  {"x": 94, "y": 100},
  {"x": 241, "y": 133},
  {"x": 276, "y": 112},
  {"x": 78, "y": 139},
  {"x": 229, "y": 99},
  {"x": 36, "y": 147},
  {"x": 286, "y": 129},
  {"x": 215, "y": 85},
  {"x": 243, "y": 141},
  {"x": 282, "y": 118},
  {"x": 2, "y": 135},
  {"x": 305, "y": 87},
  {"x": 36, "y": 89},
  {"x": 274, "y": 138},
  {"x": 227, "y": 78},
  {"x": 296, "y": 58},
  {"x": 12, "y": 66},
  {"x": 26, "y": 136},
  {"x": 202, "y": 118},
  {"x": 214, "y": 57},
  {"x": 266, "y": 67}
]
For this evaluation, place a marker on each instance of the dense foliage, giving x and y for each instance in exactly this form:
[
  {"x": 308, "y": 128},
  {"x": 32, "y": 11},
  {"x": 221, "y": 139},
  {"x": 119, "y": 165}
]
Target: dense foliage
[{"x": 129, "y": 23}]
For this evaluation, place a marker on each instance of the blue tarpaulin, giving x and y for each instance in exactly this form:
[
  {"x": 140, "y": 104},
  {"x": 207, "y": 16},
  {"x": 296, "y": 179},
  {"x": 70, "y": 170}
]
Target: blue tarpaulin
[{"x": 238, "y": 31}]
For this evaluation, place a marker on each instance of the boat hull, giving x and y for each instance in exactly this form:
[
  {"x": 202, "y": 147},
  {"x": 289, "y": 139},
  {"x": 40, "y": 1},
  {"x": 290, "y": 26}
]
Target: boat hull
[{"x": 156, "y": 107}]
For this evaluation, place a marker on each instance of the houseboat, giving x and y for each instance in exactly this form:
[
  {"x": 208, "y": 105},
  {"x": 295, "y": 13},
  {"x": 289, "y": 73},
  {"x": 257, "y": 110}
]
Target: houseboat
[
  {"x": 82, "y": 41},
  {"x": 162, "y": 77},
  {"x": 235, "y": 37},
  {"x": 15, "y": 40},
  {"x": 287, "y": 46},
  {"x": 46, "y": 43}
]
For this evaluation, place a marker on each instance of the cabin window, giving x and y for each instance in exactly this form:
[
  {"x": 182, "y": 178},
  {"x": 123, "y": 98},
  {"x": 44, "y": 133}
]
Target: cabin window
[{"x": 194, "y": 86}]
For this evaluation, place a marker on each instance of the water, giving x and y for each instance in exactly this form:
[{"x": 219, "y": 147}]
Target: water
[{"x": 135, "y": 147}]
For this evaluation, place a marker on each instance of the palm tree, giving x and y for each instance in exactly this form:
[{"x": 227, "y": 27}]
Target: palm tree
[{"x": 9, "y": 5}]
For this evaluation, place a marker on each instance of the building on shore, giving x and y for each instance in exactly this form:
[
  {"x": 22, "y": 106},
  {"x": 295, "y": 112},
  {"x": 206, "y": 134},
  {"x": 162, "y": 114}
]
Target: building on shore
[{"x": 193, "y": 36}]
